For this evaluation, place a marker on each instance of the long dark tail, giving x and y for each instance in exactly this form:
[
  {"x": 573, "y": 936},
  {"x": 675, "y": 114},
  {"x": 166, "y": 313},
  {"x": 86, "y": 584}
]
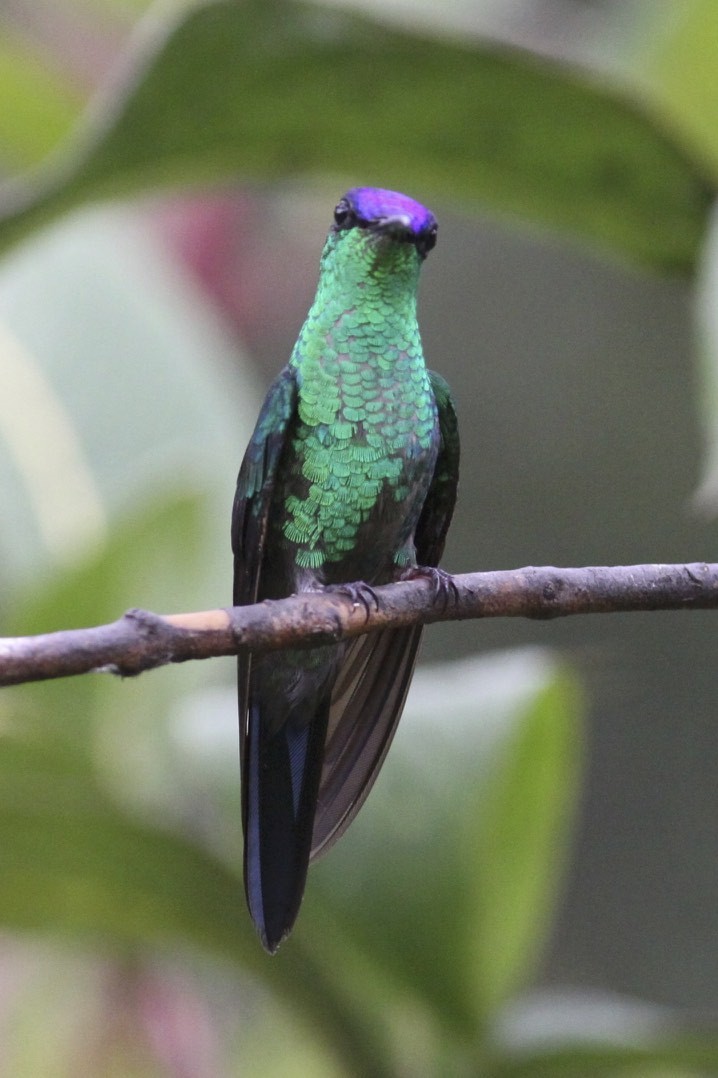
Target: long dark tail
[{"x": 284, "y": 752}]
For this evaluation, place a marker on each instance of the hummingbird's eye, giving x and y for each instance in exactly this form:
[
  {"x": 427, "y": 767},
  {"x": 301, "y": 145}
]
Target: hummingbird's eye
[
  {"x": 427, "y": 240},
  {"x": 344, "y": 216}
]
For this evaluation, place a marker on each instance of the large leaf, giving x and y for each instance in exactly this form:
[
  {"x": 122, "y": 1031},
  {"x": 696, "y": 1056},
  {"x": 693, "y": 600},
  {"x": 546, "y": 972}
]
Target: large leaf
[
  {"x": 518, "y": 842},
  {"x": 448, "y": 876},
  {"x": 70, "y": 862},
  {"x": 271, "y": 90},
  {"x": 89, "y": 846}
]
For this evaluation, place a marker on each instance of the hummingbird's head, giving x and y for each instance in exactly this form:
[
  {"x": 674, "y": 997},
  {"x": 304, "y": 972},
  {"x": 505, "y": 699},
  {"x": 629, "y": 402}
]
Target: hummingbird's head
[
  {"x": 376, "y": 246},
  {"x": 385, "y": 218}
]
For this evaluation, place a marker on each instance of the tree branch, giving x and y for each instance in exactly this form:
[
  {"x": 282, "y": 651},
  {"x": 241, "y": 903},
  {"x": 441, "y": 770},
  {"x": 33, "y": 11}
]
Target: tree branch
[{"x": 141, "y": 640}]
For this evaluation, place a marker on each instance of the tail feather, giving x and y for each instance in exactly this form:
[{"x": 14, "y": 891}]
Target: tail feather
[{"x": 283, "y": 768}]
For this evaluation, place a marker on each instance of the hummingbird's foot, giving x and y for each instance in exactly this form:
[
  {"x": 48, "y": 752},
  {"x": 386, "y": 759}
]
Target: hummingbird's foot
[
  {"x": 359, "y": 593},
  {"x": 442, "y": 582}
]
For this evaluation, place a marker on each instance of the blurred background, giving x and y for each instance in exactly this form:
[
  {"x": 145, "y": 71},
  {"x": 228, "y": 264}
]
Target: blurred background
[{"x": 531, "y": 888}]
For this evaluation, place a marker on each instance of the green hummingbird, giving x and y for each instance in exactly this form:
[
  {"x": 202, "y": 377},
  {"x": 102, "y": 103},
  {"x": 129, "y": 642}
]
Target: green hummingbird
[{"x": 349, "y": 480}]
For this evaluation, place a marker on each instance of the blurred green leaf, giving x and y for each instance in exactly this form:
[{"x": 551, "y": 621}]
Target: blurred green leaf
[
  {"x": 673, "y": 1057},
  {"x": 140, "y": 564},
  {"x": 518, "y": 842},
  {"x": 145, "y": 554},
  {"x": 40, "y": 104},
  {"x": 679, "y": 68},
  {"x": 71, "y": 862},
  {"x": 487, "y": 747},
  {"x": 96, "y": 328},
  {"x": 270, "y": 90},
  {"x": 81, "y": 763}
]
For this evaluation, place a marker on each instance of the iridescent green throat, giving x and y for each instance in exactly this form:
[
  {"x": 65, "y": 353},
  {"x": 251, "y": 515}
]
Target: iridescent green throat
[{"x": 366, "y": 409}]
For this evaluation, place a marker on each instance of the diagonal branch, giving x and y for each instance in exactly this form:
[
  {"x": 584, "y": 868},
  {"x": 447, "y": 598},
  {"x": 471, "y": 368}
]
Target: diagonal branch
[{"x": 140, "y": 640}]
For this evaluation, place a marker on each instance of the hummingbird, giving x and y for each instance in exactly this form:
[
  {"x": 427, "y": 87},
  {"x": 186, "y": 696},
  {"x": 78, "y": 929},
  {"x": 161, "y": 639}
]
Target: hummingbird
[{"x": 349, "y": 481}]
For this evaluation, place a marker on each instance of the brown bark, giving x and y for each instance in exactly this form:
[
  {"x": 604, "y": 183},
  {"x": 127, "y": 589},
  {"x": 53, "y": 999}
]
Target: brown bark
[{"x": 140, "y": 640}]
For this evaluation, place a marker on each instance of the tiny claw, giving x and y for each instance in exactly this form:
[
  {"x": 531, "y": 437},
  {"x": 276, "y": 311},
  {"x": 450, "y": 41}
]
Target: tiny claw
[
  {"x": 442, "y": 582},
  {"x": 359, "y": 593}
]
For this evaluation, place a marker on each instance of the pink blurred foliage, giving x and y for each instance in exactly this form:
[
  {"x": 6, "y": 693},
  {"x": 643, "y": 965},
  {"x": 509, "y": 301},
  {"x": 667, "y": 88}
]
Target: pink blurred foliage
[
  {"x": 152, "y": 1019},
  {"x": 258, "y": 275},
  {"x": 178, "y": 1025}
]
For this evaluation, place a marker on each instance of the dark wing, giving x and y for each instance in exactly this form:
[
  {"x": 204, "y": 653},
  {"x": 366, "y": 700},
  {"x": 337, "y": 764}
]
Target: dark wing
[
  {"x": 438, "y": 510},
  {"x": 371, "y": 688},
  {"x": 267, "y": 770},
  {"x": 252, "y": 501},
  {"x": 255, "y": 484},
  {"x": 366, "y": 705}
]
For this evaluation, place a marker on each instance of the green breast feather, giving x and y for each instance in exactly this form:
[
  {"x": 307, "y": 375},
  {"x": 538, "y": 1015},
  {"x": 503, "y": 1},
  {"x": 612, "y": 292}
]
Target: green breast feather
[{"x": 366, "y": 414}]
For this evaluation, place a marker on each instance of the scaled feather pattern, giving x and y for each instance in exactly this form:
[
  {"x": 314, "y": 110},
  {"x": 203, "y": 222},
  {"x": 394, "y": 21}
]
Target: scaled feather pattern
[{"x": 349, "y": 478}]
